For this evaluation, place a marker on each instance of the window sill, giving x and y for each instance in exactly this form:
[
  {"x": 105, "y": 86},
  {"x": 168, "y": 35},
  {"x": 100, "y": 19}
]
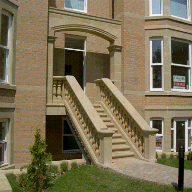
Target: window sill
[
  {"x": 7, "y": 86},
  {"x": 170, "y": 93},
  {"x": 14, "y": 2},
  {"x": 160, "y": 17}
]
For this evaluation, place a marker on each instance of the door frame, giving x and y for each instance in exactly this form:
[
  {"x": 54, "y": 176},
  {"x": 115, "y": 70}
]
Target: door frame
[
  {"x": 84, "y": 58},
  {"x": 175, "y": 120}
]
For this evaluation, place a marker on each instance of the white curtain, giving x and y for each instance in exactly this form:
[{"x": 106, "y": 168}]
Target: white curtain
[
  {"x": 75, "y": 4},
  {"x": 156, "y": 7}
]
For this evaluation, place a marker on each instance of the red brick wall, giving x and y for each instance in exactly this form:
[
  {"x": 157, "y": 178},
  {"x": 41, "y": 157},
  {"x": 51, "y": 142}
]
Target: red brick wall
[{"x": 30, "y": 78}]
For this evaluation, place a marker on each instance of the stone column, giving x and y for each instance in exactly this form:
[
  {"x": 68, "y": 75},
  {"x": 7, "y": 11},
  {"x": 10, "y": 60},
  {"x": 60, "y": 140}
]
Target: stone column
[
  {"x": 115, "y": 64},
  {"x": 50, "y": 40}
]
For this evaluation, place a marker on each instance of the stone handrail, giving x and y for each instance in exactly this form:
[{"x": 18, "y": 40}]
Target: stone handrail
[
  {"x": 132, "y": 122},
  {"x": 94, "y": 135}
]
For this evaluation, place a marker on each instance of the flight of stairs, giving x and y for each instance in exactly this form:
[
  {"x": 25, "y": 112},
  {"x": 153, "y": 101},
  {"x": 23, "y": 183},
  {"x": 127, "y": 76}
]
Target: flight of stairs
[{"x": 119, "y": 147}]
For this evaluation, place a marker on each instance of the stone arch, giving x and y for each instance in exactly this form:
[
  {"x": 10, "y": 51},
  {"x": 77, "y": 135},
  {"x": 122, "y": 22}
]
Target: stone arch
[{"x": 85, "y": 28}]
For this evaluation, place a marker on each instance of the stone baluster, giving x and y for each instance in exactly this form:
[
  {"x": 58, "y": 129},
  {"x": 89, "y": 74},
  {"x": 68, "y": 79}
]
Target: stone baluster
[
  {"x": 59, "y": 90},
  {"x": 54, "y": 89}
]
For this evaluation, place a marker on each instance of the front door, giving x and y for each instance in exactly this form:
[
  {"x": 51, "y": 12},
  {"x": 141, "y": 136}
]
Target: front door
[{"x": 181, "y": 134}]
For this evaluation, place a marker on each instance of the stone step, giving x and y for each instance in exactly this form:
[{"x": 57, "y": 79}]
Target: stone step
[
  {"x": 113, "y": 129},
  {"x": 122, "y": 154},
  {"x": 96, "y": 105},
  {"x": 99, "y": 110},
  {"x": 120, "y": 147},
  {"x": 103, "y": 115},
  {"x": 116, "y": 135},
  {"x": 118, "y": 141},
  {"x": 105, "y": 119},
  {"x": 109, "y": 125}
]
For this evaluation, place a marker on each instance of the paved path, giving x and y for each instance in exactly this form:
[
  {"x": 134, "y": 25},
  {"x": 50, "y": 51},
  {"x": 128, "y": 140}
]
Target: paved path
[{"x": 151, "y": 171}]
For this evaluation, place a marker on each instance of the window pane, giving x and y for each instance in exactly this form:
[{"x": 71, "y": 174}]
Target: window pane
[
  {"x": 1, "y": 153},
  {"x": 75, "y": 4},
  {"x": 156, "y": 6},
  {"x": 4, "y": 29},
  {"x": 69, "y": 143},
  {"x": 179, "y": 77},
  {"x": 189, "y": 137},
  {"x": 156, "y": 51},
  {"x": 180, "y": 52},
  {"x": 157, "y": 77},
  {"x": 179, "y": 8},
  {"x": 2, "y": 63},
  {"x": 2, "y": 130},
  {"x": 158, "y": 125},
  {"x": 74, "y": 42},
  {"x": 66, "y": 129},
  {"x": 159, "y": 143}
]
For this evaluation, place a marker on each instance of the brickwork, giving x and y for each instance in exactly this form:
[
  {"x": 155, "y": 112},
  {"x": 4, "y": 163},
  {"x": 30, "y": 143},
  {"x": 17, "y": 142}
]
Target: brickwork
[
  {"x": 100, "y": 8},
  {"x": 30, "y": 78}
]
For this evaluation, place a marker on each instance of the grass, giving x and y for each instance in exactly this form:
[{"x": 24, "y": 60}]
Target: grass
[
  {"x": 175, "y": 163},
  {"x": 13, "y": 182},
  {"x": 94, "y": 179}
]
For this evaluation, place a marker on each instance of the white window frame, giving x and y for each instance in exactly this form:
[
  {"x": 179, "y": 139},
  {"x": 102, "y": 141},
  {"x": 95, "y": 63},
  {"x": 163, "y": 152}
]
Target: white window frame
[
  {"x": 4, "y": 142},
  {"x": 7, "y": 48},
  {"x": 184, "y": 66},
  {"x": 187, "y": 148},
  {"x": 67, "y": 151},
  {"x": 151, "y": 10},
  {"x": 188, "y": 12},
  {"x": 85, "y": 7},
  {"x": 156, "y": 64},
  {"x": 162, "y": 128}
]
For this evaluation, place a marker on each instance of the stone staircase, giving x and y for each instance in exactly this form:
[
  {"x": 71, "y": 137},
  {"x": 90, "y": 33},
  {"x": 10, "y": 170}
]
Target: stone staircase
[{"x": 119, "y": 147}]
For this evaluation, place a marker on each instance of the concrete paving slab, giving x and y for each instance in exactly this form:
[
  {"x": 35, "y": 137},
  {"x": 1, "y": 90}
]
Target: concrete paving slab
[{"x": 151, "y": 171}]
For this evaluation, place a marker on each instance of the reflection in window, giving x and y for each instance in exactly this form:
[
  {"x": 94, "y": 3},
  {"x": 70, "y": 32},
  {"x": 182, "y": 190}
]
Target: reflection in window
[
  {"x": 179, "y": 8},
  {"x": 180, "y": 65},
  {"x": 158, "y": 124},
  {"x": 76, "y": 4},
  {"x": 156, "y": 64},
  {"x": 156, "y": 7}
]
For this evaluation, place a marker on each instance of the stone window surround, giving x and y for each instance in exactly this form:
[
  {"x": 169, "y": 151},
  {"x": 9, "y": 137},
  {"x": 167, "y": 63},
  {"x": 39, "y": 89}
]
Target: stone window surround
[{"x": 165, "y": 10}]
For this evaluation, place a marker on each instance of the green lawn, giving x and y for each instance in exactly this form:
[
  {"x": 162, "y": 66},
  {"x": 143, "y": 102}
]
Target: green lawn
[
  {"x": 94, "y": 179},
  {"x": 175, "y": 163}
]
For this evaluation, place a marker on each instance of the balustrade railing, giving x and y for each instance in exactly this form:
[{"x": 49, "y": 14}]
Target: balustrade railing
[
  {"x": 132, "y": 122},
  {"x": 93, "y": 133}
]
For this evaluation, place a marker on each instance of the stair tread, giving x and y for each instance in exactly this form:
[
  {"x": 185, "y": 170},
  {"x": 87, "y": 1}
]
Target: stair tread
[
  {"x": 116, "y": 135},
  {"x": 120, "y": 147},
  {"x": 109, "y": 124},
  {"x": 116, "y": 141},
  {"x": 106, "y": 119},
  {"x": 119, "y": 154},
  {"x": 103, "y": 115},
  {"x": 96, "y": 105},
  {"x": 113, "y": 129},
  {"x": 99, "y": 110}
]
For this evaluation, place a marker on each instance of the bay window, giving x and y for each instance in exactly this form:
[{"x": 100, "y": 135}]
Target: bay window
[
  {"x": 5, "y": 46},
  {"x": 79, "y": 5},
  {"x": 180, "y": 65},
  {"x": 156, "y": 60},
  {"x": 157, "y": 123},
  {"x": 156, "y": 7},
  {"x": 179, "y": 8}
]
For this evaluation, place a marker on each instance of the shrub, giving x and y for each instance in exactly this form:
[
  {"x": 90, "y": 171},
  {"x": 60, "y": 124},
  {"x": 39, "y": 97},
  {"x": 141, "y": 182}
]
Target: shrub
[
  {"x": 189, "y": 156},
  {"x": 163, "y": 156},
  {"x": 74, "y": 166},
  {"x": 53, "y": 170},
  {"x": 156, "y": 155},
  {"x": 171, "y": 156},
  {"x": 64, "y": 167},
  {"x": 37, "y": 177}
]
